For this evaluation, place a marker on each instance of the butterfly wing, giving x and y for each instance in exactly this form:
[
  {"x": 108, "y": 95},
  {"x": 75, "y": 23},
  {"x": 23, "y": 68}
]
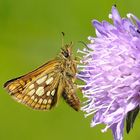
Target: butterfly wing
[{"x": 39, "y": 89}]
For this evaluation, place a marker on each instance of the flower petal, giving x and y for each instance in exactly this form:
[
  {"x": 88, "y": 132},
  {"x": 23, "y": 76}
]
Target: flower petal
[{"x": 117, "y": 130}]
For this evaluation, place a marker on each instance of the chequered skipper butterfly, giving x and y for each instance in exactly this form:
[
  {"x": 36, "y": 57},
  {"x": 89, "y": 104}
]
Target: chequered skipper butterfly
[{"x": 42, "y": 88}]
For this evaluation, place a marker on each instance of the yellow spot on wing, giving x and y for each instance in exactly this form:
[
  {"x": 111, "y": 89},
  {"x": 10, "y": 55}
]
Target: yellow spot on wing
[
  {"x": 49, "y": 81},
  {"x": 37, "y": 105},
  {"x": 40, "y": 101},
  {"x": 26, "y": 98},
  {"x": 33, "y": 104},
  {"x": 12, "y": 87},
  {"x": 30, "y": 101},
  {"x": 31, "y": 86},
  {"x": 48, "y": 106},
  {"x": 33, "y": 97},
  {"x": 43, "y": 106},
  {"x": 45, "y": 101},
  {"x": 53, "y": 92},
  {"x": 41, "y": 80},
  {"x": 49, "y": 101},
  {"x": 48, "y": 93},
  {"x": 40, "y": 91},
  {"x": 19, "y": 96},
  {"x": 31, "y": 92}
]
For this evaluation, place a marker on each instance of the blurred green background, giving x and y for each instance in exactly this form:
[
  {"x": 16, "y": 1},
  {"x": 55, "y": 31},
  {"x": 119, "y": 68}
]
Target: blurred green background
[{"x": 30, "y": 35}]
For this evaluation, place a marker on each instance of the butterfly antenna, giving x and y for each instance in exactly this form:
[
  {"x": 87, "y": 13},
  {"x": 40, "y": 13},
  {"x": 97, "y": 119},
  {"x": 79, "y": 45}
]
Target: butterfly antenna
[
  {"x": 83, "y": 43},
  {"x": 63, "y": 34}
]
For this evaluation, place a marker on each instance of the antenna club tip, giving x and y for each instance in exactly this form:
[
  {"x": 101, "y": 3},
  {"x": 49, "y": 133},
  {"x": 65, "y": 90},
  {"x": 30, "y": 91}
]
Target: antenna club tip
[
  {"x": 115, "y": 5},
  {"x": 63, "y": 33}
]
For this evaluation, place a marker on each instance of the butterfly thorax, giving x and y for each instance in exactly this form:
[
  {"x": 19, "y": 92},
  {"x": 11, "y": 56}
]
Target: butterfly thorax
[{"x": 68, "y": 63}]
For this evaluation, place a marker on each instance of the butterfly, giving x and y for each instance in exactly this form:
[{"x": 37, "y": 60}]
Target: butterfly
[{"x": 42, "y": 88}]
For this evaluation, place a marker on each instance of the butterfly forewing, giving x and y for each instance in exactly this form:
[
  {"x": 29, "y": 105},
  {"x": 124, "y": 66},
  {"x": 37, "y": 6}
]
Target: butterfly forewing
[
  {"x": 37, "y": 89},
  {"x": 21, "y": 82}
]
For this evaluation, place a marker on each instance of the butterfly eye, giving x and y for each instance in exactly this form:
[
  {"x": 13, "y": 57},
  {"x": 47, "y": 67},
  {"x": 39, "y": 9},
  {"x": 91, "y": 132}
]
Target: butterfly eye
[{"x": 66, "y": 54}]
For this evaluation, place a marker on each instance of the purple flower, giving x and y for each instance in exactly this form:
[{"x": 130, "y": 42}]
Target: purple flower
[{"x": 111, "y": 71}]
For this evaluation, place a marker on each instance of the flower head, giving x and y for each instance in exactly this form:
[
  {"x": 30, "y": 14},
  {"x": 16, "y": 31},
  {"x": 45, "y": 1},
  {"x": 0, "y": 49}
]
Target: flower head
[{"x": 111, "y": 72}]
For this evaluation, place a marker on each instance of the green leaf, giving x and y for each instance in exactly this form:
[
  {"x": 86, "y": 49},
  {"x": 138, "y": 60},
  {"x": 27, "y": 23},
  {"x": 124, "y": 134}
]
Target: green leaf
[{"x": 130, "y": 119}]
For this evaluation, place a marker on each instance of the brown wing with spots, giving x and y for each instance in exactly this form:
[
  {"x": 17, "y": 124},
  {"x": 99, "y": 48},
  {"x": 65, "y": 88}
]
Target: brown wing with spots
[{"x": 24, "y": 88}]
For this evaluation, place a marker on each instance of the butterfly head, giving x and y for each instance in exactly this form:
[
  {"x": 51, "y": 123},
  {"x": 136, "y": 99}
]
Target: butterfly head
[{"x": 66, "y": 52}]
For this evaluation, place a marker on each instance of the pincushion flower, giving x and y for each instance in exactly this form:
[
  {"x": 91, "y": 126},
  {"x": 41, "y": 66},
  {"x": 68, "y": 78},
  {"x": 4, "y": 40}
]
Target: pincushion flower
[{"x": 111, "y": 71}]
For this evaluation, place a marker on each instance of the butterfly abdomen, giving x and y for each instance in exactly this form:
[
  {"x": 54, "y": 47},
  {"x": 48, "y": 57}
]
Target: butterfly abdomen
[{"x": 72, "y": 100}]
